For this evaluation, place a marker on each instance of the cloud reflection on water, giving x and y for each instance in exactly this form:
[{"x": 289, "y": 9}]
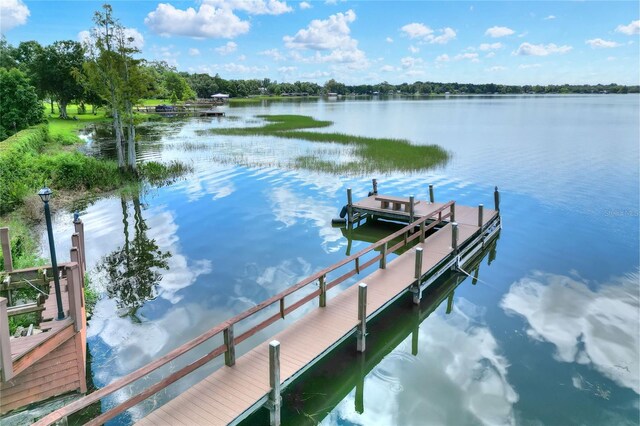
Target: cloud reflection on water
[
  {"x": 596, "y": 327},
  {"x": 458, "y": 377}
]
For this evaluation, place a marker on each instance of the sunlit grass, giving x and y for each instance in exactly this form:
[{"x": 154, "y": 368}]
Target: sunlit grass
[{"x": 375, "y": 154}]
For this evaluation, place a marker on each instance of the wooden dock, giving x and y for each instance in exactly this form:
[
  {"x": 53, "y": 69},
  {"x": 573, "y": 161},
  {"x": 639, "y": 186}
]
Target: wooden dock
[{"x": 444, "y": 236}]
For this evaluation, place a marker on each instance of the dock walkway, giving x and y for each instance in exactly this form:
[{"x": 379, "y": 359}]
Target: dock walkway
[{"x": 231, "y": 393}]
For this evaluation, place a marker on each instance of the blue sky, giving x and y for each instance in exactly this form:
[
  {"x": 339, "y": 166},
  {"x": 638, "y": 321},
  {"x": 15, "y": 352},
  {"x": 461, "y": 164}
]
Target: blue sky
[{"x": 518, "y": 42}]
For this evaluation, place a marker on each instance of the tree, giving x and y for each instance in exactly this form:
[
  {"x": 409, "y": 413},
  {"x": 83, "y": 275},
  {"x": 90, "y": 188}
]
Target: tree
[
  {"x": 175, "y": 83},
  {"x": 19, "y": 104},
  {"x": 53, "y": 67}
]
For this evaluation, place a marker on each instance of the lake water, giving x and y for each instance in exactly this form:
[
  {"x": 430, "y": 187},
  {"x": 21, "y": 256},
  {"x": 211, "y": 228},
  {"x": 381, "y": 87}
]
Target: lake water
[{"x": 549, "y": 334}]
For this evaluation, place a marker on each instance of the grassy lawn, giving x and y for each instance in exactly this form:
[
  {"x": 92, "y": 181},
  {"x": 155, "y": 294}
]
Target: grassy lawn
[{"x": 376, "y": 154}]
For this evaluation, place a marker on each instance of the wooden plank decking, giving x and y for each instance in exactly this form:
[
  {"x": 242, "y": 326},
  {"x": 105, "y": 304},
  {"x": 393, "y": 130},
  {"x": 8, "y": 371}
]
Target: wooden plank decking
[{"x": 232, "y": 392}]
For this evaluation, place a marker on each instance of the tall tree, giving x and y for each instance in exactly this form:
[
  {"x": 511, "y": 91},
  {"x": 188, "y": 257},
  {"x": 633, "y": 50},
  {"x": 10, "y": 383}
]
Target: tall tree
[
  {"x": 54, "y": 66},
  {"x": 19, "y": 104}
]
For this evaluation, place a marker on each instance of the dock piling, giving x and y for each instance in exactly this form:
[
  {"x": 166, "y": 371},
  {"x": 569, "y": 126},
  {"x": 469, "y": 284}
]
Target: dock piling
[
  {"x": 383, "y": 257},
  {"x": 454, "y": 237},
  {"x": 453, "y": 212},
  {"x": 374, "y": 183},
  {"x": 431, "y": 196},
  {"x": 417, "y": 293},
  {"x": 422, "y": 232},
  {"x": 361, "y": 332},
  {"x": 480, "y": 214},
  {"x": 496, "y": 199},
  {"x": 411, "y": 208},
  {"x": 230, "y": 353},
  {"x": 274, "y": 381}
]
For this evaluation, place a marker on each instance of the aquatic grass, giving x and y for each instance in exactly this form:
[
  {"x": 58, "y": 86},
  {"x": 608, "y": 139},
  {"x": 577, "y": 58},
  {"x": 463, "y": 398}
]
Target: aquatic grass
[{"x": 376, "y": 154}]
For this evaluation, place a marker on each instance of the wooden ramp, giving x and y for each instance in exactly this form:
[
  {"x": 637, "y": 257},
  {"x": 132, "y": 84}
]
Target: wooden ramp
[{"x": 231, "y": 393}]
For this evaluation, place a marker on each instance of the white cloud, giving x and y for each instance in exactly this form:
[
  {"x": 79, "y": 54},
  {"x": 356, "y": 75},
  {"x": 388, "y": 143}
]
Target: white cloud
[
  {"x": 490, "y": 55},
  {"x": 416, "y": 30},
  {"x": 496, "y": 68},
  {"x": 490, "y": 46},
  {"x": 137, "y": 39},
  {"x": 333, "y": 35},
  {"x": 287, "y": 70},
  {"x": 420, "y": 31},
  {"x": 273, "y": 54},
  {"x": 529, "y": 66},
  {"x": 550, "y": 17},
  {"x": 243, "y": 69},
  {"x": 305, "y": 5},
  {"x": 242, "y": 58},
  {"x": 528, "y": 49},
  {"x": 13, "y": 13},
  {"x": 600, "y": 43},
  {"x": 207, "y": 22},
  {"x": 388, "y": 68},
  {"x": 315, "y": 75},
  {"x": 169, "y": 54},
  {"x": 410, "y": 62},
  {"x": 389, "y": 40},
  {"x": 194, "y": 52},
  {"x": 473, "y": 57},
  {"x": 414, "y": 49},
  {"x": 496, "y": 32},
  {"x": 631, "y": 29},
  {"x": 596, "y": 325},
  {"x": 443, "y": 58},
  {"x": 226, "y": 49},
  {"x": 253, "y": 7}
]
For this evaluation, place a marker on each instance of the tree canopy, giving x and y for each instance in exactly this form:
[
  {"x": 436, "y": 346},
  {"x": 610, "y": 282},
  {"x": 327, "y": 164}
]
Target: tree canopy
[{"x": 19, "y": 104}]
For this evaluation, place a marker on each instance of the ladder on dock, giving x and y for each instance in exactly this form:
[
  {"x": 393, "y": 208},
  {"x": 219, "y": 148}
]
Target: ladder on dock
[{"x": 445, "y": 236}]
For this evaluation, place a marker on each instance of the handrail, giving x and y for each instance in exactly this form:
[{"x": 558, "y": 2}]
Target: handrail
[{"x": 186, "y": 347}]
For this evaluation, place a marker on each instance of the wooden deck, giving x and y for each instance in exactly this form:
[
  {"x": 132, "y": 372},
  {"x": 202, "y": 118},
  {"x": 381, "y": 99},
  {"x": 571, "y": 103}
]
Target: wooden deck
[{"x": 231, "y": 393}]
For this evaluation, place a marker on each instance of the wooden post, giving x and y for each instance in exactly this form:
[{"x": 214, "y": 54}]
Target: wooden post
[
  {"x": 416, "y": 331},
  {"x": 349, "y": 206},
  {"x": 74, "y": 290},
  {"x": 75, "y": 243},
  {"x": 453, "y": 213},
  {"x": 5, "y": 345},
  {"x": 454, "y": 237},
  {"x": 374, "y": 183},
  {"x": 357, "y": 265},
  {"x": 417, "y": 294},
  {"x": 362, "y": 374},
  {"x": 282, "y": 308},
  {"x": 422, "y": 232},
  {"x": 75, "y": 257},
  {"x": 411, "y": 208},
  {"x": 274, "y": 382},
  {"x": 6, "y": 249},
  {"x": 79, "y": 229},
  {"x": 450, "y": 302},
  {"x": 480, "y": 214},
  {"x": 383, "y": 259},
  {"x": 496, "y": 199},
  {"x": 361, "y": 332},
  {"x": 323, "y": 291},
  {"x": 431, "y": 197},
  {"x": 230, "y": 353}
]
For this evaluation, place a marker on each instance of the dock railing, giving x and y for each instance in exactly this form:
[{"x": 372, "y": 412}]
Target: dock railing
[{"x": 408, "y": 233}]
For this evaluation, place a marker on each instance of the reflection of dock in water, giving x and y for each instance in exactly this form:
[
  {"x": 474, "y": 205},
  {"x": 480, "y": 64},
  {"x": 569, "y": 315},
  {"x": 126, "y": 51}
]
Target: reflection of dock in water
[{"x": 438, "y": 238}]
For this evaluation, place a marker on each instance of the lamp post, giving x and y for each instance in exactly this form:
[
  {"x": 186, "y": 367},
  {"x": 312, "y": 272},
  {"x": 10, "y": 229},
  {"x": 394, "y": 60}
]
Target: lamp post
[{"x": 45, "y": 196}]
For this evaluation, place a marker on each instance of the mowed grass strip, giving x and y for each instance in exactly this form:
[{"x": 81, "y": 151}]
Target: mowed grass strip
[{"x": 377, "y": 154}]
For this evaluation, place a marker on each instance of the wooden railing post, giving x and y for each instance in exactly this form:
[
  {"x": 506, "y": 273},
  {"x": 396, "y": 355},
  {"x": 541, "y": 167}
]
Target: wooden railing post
[
  {"x": 453, "y": 213},
  {"x": 422, "y": 232},
  {"x": 323, "y": 290},
  {"x": 79, "y": 229},
  {"x": 496, "y": 199},
  {"x": 75, "y": 243},
  {"x": 383, "y": 256},
  {"x": 230, "y": 353},
  {"x": 6, "y": 249},
  {"x": 74, "y": 289},
  {"x": 417, "y": 293},
  {"x": 361, "y": 332},
  {"x": 75, "y": 257},
  {"x": 480, "y": 214},
  {"x": 274, "y": 382},
  {"x": 454, "y": 237},
  {"x": 411, "y": 208},
  {"x": 431, "y": 197},
  {"x": 349, "y": 206},
  {"x": 374, "y": 183},
  {"x": 5, "y": 344},
  {"x": 357, "y": 262}
]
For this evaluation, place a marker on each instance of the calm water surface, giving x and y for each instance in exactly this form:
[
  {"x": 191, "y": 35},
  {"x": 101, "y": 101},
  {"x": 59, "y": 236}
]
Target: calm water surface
[{"x": 549, "y": 334}]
